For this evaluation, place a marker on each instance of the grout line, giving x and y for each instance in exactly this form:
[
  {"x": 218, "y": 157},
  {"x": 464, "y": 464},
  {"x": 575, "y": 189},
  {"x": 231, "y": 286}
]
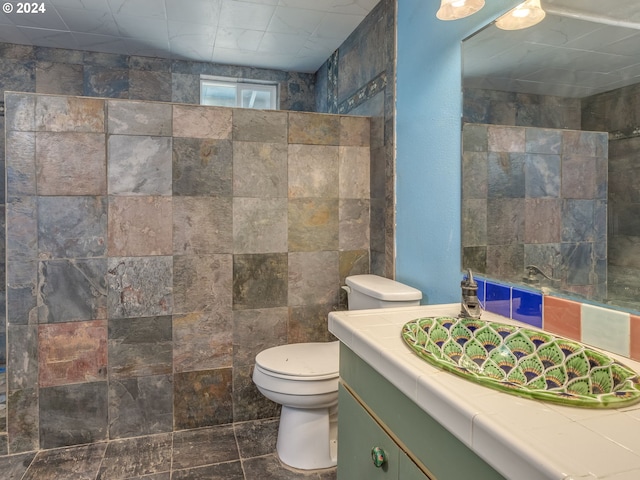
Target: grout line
[
  {"x": 235, "y": 436},
  {"x": 24, "y": 475},
  {"x": 173, "y": 436}
]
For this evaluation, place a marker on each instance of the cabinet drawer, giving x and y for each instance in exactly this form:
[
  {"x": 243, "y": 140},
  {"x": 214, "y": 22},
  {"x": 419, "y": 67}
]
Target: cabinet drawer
[
  {"x": 407, "y": 470},
  {"x": 358, "y": 433}
]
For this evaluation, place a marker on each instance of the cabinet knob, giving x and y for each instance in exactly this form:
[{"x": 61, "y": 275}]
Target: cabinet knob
[{"x": 378, "y": 456}]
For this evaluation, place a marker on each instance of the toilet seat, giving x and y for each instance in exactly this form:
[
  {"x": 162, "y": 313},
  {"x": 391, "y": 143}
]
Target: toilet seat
[{"x": 301, "y": 361}]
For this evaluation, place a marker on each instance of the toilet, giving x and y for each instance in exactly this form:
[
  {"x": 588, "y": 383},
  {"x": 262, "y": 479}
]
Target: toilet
[{"x": 303, "y": 378}]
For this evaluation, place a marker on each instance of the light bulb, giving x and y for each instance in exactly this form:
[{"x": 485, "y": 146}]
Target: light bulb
[
  {"x": 456, "y": 9},
  {"x": 525, "y": 15},
  {"x": 521, "y": 12}
]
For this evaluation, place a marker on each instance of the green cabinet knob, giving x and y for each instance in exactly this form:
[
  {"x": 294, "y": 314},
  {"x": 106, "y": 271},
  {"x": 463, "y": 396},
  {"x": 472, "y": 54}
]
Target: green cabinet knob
[{"x": 378, "y": 456}]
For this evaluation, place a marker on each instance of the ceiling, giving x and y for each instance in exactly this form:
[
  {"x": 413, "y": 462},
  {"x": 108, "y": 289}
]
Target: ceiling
[
  {"x": 290, "y": 35},
  {"x": 562, "y": 55}
]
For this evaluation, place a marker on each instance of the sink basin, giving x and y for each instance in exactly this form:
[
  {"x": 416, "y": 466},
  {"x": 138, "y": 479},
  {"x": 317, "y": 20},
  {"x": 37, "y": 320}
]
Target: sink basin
[{"x": 523, "y": 362}]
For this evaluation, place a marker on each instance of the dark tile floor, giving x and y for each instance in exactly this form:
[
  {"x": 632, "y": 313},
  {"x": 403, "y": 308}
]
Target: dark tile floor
[{"x": 243, "y": 451}]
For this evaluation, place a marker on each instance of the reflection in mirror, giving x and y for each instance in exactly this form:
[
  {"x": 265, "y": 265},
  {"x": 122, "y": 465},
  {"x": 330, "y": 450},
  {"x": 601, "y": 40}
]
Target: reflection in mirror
[{"x": 551, "y": 151}]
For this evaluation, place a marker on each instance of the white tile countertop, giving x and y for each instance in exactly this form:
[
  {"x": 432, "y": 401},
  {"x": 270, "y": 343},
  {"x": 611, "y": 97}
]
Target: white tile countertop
[{"x": 522, "y": 439}]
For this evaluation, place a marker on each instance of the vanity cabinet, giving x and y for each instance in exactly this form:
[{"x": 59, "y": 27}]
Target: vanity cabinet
[
  {"x": 358, "y": 435},
  {"x": 374, "y": 413}
]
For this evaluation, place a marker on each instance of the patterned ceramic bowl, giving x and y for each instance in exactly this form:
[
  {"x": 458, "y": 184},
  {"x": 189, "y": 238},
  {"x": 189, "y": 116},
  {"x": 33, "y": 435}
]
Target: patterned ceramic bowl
[{"x": 523, "y": 361}]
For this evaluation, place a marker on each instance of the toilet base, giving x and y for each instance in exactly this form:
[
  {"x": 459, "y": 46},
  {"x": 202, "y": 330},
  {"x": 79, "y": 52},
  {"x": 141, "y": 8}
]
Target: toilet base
[{"x": 307, "y": 438}]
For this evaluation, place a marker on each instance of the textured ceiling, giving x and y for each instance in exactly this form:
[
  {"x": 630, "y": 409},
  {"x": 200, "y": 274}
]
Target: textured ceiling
[
  {"x": 292, "y": 35},
  {"x": 562, "y": 55}
]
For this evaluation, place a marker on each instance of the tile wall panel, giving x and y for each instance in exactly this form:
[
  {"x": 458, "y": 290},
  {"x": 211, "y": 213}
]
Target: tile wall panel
[
  {"x": 149, "y": 271},
  {"x": 260, "y": 169},
  {"x": 523, "y": 205},
  {"x": 72, "y": 290},
  {"x": 73, "y": 352},
  {"x": 202, "y": 167},
  {"x": 562, "y": 128},
  {"x": 59, "y": 171},
  {"x": 562, "y": 317},
  {"x": 623, "y": 177},
  {"x": 634, "y": 331},
  {"x": 140, "y": 405},
  {"x": 606, "y": 328},
  {"x": 356, "y": 80},
  {"x": 140, "y": 226},
  {"x": 140, "y": 346},
  {"x": 139, "y": 165},
  {"x": 59, "y": 72}
]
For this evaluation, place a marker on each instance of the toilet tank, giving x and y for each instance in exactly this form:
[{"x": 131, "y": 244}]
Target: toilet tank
[{"x": 372, "y": 291}]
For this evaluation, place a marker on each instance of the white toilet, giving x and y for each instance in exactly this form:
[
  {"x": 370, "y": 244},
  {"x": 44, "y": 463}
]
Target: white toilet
[{"x": 303, "y": 378}]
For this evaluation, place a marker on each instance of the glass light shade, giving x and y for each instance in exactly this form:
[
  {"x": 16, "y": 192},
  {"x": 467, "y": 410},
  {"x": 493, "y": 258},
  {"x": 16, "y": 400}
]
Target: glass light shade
[
  {"x": 455, "y": 9},
  {"x": 524, "y": 15}
]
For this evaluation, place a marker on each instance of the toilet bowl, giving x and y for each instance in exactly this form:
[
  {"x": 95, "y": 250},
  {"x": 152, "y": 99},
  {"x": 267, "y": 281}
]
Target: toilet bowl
[{"x": 303, "y": 378}]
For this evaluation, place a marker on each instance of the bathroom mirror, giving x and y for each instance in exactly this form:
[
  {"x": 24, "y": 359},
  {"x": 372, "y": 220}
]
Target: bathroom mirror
[{"x": 551, "y": 151}]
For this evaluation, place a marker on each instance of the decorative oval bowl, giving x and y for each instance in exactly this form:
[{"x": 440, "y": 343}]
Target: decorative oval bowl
[{"x": 523, "y": 362}]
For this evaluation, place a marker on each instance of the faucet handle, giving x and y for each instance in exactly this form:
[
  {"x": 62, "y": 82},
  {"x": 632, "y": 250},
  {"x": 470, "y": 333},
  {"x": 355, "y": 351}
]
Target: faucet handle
[
  {"x": 532, "y": 273},
  {"x": 469, "y": 281},
  {"x": 470, "y": 278}
]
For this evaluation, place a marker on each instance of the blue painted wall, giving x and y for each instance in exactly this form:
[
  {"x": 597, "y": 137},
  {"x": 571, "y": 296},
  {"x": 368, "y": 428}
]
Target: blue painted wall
[{"x": 428, "y": 167}]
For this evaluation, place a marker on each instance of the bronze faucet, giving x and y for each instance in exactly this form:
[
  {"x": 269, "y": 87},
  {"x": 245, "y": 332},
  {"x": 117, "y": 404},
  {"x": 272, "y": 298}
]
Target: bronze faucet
[{"x": 470, "y": 304}]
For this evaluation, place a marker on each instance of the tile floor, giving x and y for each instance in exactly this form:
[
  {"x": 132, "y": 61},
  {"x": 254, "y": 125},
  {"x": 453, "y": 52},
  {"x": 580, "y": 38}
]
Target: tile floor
[{"x": 243, "y": 451}]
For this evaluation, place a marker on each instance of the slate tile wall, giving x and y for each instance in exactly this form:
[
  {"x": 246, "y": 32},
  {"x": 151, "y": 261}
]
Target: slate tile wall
[
  {"x": 70, "y": 72},
  {"x": 614, "y": 112},
  {"x": 520, "y": 109},
  {"x": 358, "y": 79},
  {"x": 617, "y": 112},
  {"x": 154, "y": 249},
  {"x": 74, "y": 72},
  {"x": 523, "y": 204}
]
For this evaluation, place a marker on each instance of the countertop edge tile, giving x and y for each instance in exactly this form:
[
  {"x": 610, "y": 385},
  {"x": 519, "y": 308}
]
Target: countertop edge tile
[{"x": 507, "y": 454}]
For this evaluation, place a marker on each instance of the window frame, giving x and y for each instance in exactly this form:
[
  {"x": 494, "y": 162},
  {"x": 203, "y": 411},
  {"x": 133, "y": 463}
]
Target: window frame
[{"x": 241, "y": 85}]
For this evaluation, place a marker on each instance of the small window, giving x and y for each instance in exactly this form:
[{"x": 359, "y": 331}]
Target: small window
[{"x": 223, "y": 92}]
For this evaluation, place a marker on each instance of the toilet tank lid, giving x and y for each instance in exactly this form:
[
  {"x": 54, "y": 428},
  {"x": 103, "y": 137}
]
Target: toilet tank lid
[{"x": 383, "y": 288}]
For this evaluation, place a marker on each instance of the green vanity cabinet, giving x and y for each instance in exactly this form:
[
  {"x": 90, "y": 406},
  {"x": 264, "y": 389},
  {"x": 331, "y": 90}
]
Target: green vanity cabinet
[
  {"x": 359, "y": 437},
  {"x": 407, "y": 470},
  {"x": 374, "y": 413}
]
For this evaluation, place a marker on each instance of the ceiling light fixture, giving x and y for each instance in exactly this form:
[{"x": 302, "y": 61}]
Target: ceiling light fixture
[
  {"x": 525, "y": 15},
  {"x": 455, "y": 9}
]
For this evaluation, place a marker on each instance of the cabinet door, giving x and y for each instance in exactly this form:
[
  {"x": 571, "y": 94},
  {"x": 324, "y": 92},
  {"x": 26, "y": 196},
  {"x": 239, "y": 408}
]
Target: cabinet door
[{"x": 358, "y": 433}]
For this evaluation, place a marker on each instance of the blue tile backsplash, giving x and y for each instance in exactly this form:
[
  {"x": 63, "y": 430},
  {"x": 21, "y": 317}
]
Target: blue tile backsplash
[
  {"x": 512, "y": 302},
  {"x": 481, "y": 291},
  {"x": 498, "y": 299},
  {"x": 526, "y": 307}
]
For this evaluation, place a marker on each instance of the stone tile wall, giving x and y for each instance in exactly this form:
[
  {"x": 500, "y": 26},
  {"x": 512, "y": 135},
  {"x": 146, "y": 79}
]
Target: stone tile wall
[
  {"x": 520, "y": 109},
  {"x": 154, "y": 249},
  {"x": 536, "y": 196},
  {"x": 70, "y": 72},
  {"x": 614, "y": 112},
  {"x": 359, "y": 79},
  {"x": 73, "y": 72},
  {"x": 617, "y": 112}
]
